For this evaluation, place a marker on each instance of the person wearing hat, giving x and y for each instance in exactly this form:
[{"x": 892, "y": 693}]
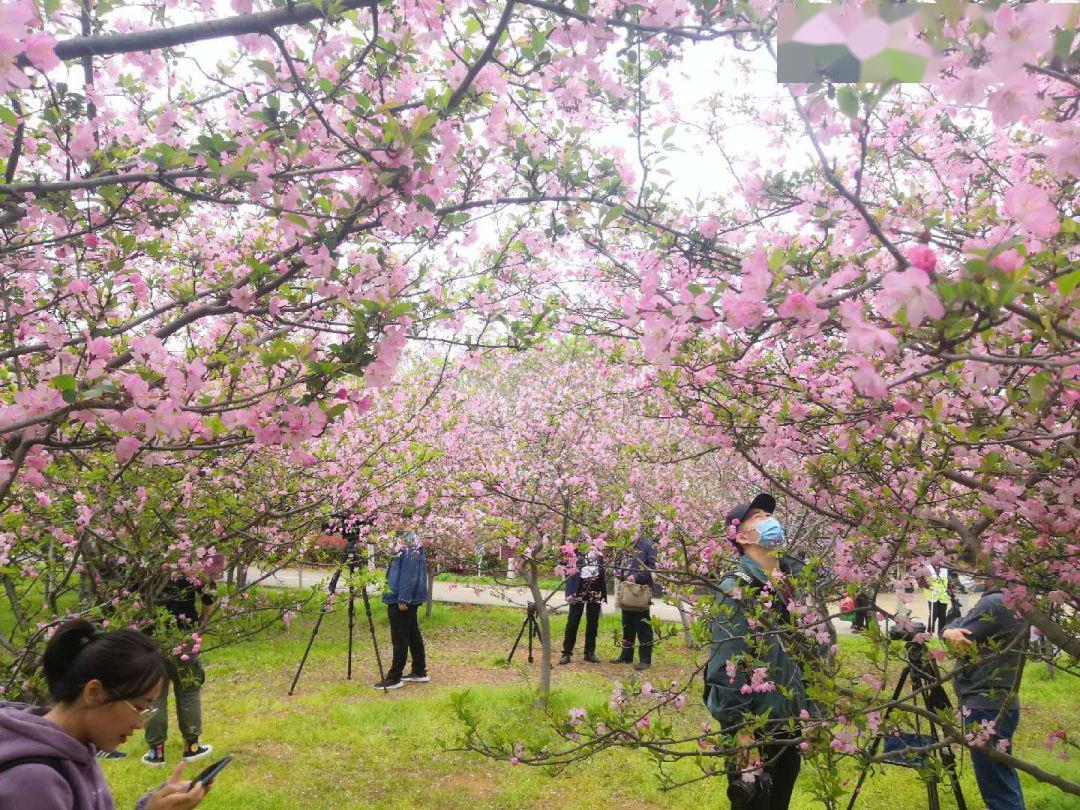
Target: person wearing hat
[{"x": 751, "y": 673}]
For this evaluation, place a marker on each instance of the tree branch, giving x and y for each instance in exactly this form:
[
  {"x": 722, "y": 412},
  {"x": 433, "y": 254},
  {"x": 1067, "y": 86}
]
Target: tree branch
[{"x": 261, "y": 23}]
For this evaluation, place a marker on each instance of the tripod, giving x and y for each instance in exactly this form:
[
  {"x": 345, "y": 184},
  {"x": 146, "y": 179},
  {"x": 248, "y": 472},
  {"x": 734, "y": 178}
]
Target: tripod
[
  {"x": 533, "y": 627},
  {"x": 352, "y": 560},
  {"x": 925, "y": 682}
]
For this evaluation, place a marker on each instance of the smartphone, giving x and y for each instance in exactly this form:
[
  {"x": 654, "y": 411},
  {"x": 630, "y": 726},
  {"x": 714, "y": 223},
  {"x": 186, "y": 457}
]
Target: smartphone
[{"x": 208, "y": 776}]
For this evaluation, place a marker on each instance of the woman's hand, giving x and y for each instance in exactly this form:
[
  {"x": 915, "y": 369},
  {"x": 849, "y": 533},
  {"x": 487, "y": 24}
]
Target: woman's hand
[{"x": 177, "y": 793}]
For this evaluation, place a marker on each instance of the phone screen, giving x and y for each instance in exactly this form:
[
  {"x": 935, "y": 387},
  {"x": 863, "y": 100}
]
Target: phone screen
[{"x": 207, "y": 776}]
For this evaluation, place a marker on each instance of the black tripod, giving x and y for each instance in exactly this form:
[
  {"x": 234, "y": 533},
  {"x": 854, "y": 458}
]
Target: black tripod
[
  {"x": 352, "y": 561},
  {"x": 926, "y": 684},
  {"x": 533, "y": 627}
]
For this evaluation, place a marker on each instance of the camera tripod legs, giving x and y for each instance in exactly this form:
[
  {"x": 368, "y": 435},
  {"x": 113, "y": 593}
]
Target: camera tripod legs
[
  {"x": 331, "y": 590},
  {"x": 533, "y": 627},
  {"x": 920, "y": 683}
]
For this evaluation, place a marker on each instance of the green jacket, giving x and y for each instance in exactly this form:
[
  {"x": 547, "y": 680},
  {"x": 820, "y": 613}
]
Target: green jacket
[{"x": 727, "y": 699}]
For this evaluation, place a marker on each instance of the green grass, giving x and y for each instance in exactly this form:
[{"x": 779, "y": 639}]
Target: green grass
[
  {"x": 341, "y": 744},
  {"x": 547, "y": 584}
]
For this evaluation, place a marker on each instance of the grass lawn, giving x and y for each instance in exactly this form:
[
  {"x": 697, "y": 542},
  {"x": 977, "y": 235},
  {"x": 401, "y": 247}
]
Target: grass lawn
[{"x": 341, "y": 744}]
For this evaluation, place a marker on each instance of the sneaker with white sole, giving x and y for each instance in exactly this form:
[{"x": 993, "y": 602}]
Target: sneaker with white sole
[
  {"x": 389, "y": 683},
  {"x": 194, "y": 751},
  {"x": 416, "y": 677},
  {"x": 154, "y": 757},
  {"x": 111, "y": 755}
]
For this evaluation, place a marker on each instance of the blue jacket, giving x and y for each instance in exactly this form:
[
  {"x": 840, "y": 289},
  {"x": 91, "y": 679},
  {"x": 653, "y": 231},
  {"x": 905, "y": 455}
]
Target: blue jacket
[
  {"x": 640, "y": 564},
  {"x": 406, "y": 579}
]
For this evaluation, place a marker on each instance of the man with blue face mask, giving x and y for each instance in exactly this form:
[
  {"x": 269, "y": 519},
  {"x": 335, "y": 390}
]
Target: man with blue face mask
[{"x": 751, "y": 672}]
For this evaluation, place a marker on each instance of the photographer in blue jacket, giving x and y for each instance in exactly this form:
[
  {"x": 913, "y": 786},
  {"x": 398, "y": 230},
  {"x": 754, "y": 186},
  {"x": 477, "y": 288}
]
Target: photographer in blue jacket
[{"x": 406, "y": 590}]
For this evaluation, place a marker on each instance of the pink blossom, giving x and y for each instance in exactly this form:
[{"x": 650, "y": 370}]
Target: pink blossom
[
  {"x": 40, "y": 51},
  {"x": 126, "y": 448},
  {"x": 801, "y": 306},
  {"x": 1031, "y": 207},
  {"x": 866, "y": 378},
  {"x": 922, "y": 257},
  {"x": 909, "y": 290}
]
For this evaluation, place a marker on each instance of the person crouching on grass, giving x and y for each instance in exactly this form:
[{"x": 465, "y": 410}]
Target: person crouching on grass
[{"x": 406, "y": 590}]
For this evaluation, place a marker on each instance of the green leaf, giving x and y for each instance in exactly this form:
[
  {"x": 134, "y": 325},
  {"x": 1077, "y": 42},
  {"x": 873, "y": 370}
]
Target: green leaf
[
  {"x": 8, "y": 116},
  {"x": 1037, "y": 387},
  {"x": 847, "y": 101},
  {"x": 64, "y": 382},
  {"x": 1067, "y": 283},
  {"x": 612, "y": 214}
]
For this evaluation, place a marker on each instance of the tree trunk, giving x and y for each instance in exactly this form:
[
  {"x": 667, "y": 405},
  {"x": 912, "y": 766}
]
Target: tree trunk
[
  {"x": 431, "y": 574},
  {"x": 685, "y": 619},
  {"x": 532, "y": 577}
]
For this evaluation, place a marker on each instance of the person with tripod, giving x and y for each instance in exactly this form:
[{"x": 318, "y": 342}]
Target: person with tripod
[
  {"x": 586, "y": 588},
  {"x": 991, "y": 639},
  {"x": 750, "y": 672},
  {"x": 406, "y": 591}
]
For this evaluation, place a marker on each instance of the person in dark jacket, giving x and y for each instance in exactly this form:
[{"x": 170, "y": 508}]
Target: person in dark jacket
[
  {"x": 406, "y": 591},
  {"x": 750, "y": 673},
  {"x": 586, "y": 588},
  {"x": 992, "y": 638},
  {"x": 637, "y": 624},
  {"x": 103, "y": 686}
]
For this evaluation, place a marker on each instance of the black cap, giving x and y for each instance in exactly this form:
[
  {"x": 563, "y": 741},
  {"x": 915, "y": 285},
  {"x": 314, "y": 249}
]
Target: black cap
[{"x": 765, "y": 502}]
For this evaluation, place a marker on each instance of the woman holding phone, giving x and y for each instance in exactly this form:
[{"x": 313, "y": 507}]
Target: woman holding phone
[{"x": 103, "y": 686}]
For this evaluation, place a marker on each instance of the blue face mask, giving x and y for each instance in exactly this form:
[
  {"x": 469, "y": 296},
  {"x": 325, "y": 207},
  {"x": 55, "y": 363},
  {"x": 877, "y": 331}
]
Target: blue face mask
[{"x": 771, "y": 533}]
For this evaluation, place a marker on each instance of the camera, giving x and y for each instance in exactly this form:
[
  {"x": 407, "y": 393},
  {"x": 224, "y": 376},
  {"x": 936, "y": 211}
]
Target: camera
[
  {"x": 530, "y": 609},
  {"x": 742, "y": 792},
  {"x": 896, "y": 634}
]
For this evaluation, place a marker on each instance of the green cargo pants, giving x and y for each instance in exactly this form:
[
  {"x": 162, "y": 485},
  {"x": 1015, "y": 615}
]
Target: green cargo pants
[{"x": 187, "y": 679}]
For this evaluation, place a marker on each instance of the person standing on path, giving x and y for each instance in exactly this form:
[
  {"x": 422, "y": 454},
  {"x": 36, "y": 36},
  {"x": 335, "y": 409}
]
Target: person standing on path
[
  {"x": 186, "y": 671},
  {"x": 406, "y": 591},
  {"x": 585, "y": 590},
  {"x": 991, "y": 638},
  {"x": 637, "y": 624},
  {"x": 937, "y": 598}
]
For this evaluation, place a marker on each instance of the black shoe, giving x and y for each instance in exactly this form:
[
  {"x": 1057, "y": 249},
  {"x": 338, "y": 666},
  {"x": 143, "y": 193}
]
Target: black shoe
[
  {"x": 590, "y": 658},
  {"x": 389, "y": 683},
  {"x": 193, "y": 751},
  {"x": 621, "y": 660},
  {"x": 155, "y": 756},
  {"x": 565, "y": 658},
  {"x": 642, "y": 665},
  {"x": 416, "y": 677},
  {"x": 111, "y": 755}
]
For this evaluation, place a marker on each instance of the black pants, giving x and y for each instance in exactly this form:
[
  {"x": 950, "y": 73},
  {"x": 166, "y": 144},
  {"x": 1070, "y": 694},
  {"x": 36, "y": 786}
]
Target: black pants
[
  {"x": 781, "y": 762},
  {"x": 862, "y": 609},
  {"x": 636, "y": 625},
  {"x": 937, "y": 617},
  {"x": 406, "y": 639},
  {"x": 592, "y": 621}
]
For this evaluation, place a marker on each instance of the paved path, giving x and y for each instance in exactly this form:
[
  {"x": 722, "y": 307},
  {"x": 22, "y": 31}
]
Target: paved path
[{"x": 459, "y": 593}]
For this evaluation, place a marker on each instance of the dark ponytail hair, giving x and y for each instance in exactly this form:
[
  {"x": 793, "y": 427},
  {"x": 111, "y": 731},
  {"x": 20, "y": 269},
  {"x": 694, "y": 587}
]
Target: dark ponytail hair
[{"x": 126, "y": 662}]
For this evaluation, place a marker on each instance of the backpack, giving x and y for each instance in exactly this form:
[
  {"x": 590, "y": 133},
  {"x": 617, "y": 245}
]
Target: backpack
[{"x": 52, "y": 762}]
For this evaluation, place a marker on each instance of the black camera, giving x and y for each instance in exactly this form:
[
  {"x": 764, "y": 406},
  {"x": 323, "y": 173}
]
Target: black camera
[
  {"x": 897, "y": 634},
  {"x": 740, "y": 792},
  {"x": 530, "y": 609}
]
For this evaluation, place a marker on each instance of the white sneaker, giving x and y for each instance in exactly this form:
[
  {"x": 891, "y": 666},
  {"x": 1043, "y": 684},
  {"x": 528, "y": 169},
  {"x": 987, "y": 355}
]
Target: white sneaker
[{"x": 422, "y": 678}]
